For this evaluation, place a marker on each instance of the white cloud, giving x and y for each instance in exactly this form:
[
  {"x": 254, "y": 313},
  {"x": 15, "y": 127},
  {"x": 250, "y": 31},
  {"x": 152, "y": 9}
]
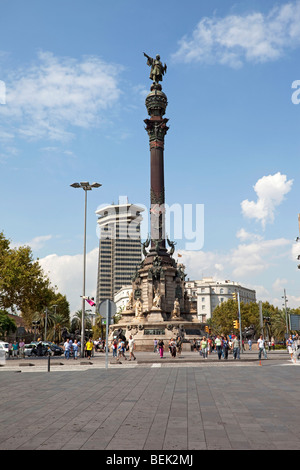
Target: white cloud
[
  {"x": 49, "y": 98},
  {"x": 66, "y": 272},
  {"x": 254, "y": 258},
  {"x": 234, "y": 39},
  {"x": 279, "y": 284},
  {"x": 36, "y": 243},
  {"x": 242, "y": 263},
  {"x": 243, "y": 235},
  {"x": 270, "y": 191},
  {"x": 295, "y": 252}
]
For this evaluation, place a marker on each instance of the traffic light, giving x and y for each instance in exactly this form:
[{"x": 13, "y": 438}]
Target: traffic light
[
  {"x": 236, "y": 324},
  {"x": 234, "y": 295},
  {"x": 207, "y": 329}
]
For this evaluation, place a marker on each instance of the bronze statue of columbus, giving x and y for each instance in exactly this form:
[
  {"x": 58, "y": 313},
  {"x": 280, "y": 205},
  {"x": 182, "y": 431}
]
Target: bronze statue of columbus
[{"x": 157, "y": 68}]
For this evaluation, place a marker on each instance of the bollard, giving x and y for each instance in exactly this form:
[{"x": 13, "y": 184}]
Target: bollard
[{"x": 49, "y": 363}]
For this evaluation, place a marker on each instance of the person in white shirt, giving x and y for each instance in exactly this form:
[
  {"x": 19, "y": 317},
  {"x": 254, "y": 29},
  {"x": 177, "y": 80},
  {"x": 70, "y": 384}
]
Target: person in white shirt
[
  {"x": 261, "y": 347},
  {"x": 131, "y": 348}
]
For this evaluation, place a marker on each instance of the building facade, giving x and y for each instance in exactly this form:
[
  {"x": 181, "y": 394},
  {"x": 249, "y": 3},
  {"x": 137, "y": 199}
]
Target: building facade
[
  {"x": 210, "y": 293},
  {"x": 120, "y": 251},
  {"x": 121, "y": 297}
]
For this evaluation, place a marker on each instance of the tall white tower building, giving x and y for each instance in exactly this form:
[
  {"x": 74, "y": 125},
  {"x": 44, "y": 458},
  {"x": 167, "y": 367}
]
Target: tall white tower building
[{"x": 120, "y": 251}]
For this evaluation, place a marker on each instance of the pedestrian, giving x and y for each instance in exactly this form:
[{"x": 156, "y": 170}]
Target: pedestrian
[
  {"x": 10, "y": 349},
  {"x": 218, "y": 343},
  {"x": 15, "y": 348},
  {"x": 179, "y": 345},
  {"x": 67, "y": 348},
  {"x": 261, "y": 347},
  {"x": 124, "y": 348},
  {"x": 236, "y": 348},
  {"x": 273, "y": 343},
  {"x": 161, "y": 346},
  {"x": 225, "y": 347},
  {"x": 290, "y": 345},
  {"x": 155, "y": 345},
  {"x": 114, "y": 346},
  {"x": 209, "y": 346},
  {"x": 21, "y": 347},
  {"x": 172, "y": 347},
  {"x": 89, "y": 348},
  {"x": 75, "y": 349},
  {"x": 204, "y": 347},
  {"x": 250, "y": 344},
  {"x": 39, "y": 347},
  {"x": 131, "y": 345},
  {"x": 119, "y": 348}
]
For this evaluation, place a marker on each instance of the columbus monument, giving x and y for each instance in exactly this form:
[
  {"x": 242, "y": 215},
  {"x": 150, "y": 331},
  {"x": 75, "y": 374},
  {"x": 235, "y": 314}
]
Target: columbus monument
[{"x": 158, "y": 306}]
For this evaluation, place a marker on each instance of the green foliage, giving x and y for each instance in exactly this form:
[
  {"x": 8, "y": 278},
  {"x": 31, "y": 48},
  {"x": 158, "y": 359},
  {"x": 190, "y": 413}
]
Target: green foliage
[
  {"x": 24, "y": 287},
  {"x": 77, "y": 322},
  {"x": 7, "y": 324},
  {"x": 224, "y": 315}
]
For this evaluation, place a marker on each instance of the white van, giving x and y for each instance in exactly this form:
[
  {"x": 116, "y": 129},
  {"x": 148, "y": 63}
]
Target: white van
[{"x": 4, "y": 349}]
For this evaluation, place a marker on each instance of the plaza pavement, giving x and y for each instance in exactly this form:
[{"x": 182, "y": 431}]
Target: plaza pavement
[{"x": 180, "y": 405}]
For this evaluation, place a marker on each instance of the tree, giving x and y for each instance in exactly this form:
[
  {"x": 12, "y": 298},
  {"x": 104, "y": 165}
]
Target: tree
[
  {"x": 7, "y": 324},
  {"x": 224, "y": 315},
  {"x": 76, "y": 322},
  {"x": 58, "y": 323},
  {"x": 23, "y": 284}
]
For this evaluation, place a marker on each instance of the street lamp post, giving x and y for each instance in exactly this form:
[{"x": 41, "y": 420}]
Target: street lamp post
[
  {"x": 286, "y": 315},
  {"x": 86, "y": 186},
  {"x": 54, "y": 306}
]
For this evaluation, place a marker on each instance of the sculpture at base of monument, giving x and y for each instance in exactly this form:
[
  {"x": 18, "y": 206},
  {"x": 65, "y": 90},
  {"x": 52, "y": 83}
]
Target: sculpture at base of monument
[
  {"x": 176, "y": 310},
  {"x": 157, "y": 300},
  {"x": 129, "y": 305},
  {"x": 138, "y": 309}
]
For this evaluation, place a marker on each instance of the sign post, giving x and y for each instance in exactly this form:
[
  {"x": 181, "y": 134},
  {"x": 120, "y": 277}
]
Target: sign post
[
  {"x": 107, "y": 309},
  {"x": 240, "y": 322}
]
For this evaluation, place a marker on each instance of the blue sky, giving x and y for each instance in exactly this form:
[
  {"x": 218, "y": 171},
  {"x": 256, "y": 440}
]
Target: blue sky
[{"x": 75, "y": 86}]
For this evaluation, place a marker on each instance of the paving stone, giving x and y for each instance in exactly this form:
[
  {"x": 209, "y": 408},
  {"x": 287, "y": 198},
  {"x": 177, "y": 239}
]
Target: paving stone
[{"x": 169, "y": 408}]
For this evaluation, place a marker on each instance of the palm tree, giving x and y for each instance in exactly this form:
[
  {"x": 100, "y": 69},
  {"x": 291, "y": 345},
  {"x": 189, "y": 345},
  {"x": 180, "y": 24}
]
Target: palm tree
[
  {"x": 77, "y": 319},
  {"x": 58, "y": 322},
  {"x": 279, "y": 325}
]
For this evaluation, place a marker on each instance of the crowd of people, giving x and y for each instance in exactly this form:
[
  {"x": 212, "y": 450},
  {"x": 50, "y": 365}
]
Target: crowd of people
[
  {"x": 174, "y": 346},
  {"x": 293, "y": 346},
  {"x": 16, "y": 348},
  {"x": 221, "y": 344},
  {"x": 120, "y": 346}
]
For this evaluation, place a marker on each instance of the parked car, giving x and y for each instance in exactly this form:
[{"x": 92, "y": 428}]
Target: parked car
[
  {"x": 55, "y": 350},
  {"x": 47, "y": 348},
  {"x": 33, "y": 350},
  {"x": 4, "y": 349}
]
